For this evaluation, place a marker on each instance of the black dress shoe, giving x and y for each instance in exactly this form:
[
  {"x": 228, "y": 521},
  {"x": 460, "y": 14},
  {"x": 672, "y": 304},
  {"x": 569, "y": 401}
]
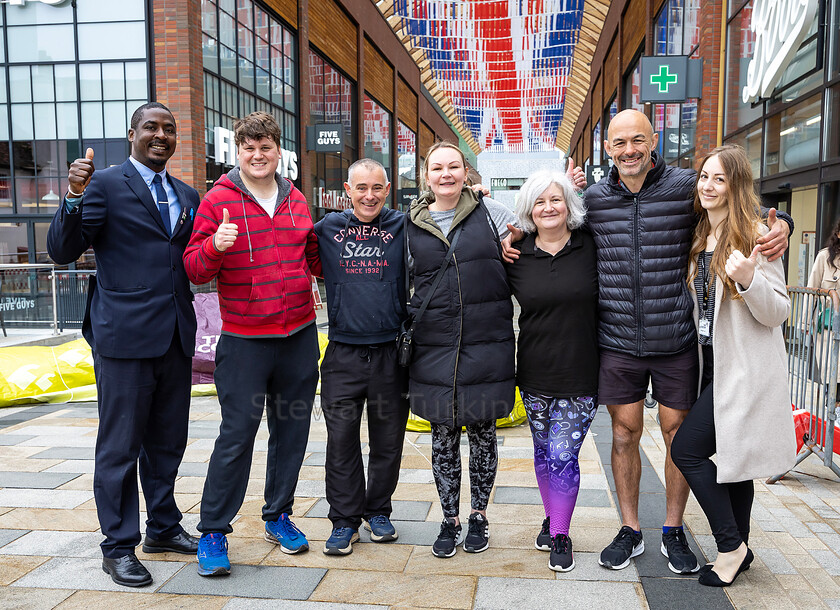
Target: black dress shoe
[
  {"x": 710, "y": 578},
  {"x": 127, "y": 571},
  {"x": 182, "y": 543}
]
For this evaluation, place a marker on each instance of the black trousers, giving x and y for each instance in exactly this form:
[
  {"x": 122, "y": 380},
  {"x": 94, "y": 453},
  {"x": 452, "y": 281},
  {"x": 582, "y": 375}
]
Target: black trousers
[
  {"x": 277, "y": 376},
  {"x": 727, "y": 505},
  {"x": 351, "y": 376},
  {"x": 144, "y": 407}
]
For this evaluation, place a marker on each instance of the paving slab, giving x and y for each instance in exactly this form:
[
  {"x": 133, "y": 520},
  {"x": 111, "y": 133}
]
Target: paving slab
[
  {"x": 683, "y": 594},
  {"x": 828, "y": 560},
  {"x": 531, "y": 495},
  {"x": 32, "y": 599},
  {"x": 87, "y": 574},
  {"x": 193, "y": 469},
  {"x": 7, "y": 536},
  {"x": 10, "y": 440},
  {"x": 588, "y": 568},
  {"x": 402, "y": 510},
  {"x": 48, "y": 479},
  {"x": 249, "y": 581},
  {"x": 506, "y": 593},
  {"x": 56, "y": 544},
  {"x": 279, "y": 604},
  {"x": 43, "y": 498},
  {"x": 74, "y": 466},
  {"x": 65, "y": 453}
]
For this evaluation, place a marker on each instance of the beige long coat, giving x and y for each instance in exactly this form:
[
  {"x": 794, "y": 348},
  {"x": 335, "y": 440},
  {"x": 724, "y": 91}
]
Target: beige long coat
[
  {"x": 753, "y": 418},
  {"x": 826, "y": 277}
]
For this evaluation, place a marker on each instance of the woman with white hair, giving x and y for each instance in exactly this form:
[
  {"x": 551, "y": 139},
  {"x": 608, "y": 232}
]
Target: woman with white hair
[{"x": 555, "y": 281}]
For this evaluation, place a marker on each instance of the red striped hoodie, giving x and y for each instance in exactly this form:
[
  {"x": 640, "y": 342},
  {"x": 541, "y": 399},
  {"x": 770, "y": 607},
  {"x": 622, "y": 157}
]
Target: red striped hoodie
[{"x": 265, "y": 279}]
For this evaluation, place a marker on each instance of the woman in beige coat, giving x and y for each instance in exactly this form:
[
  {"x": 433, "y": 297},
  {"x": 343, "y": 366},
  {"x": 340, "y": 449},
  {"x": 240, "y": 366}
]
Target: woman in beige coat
[
  {"x": 743, "y": 414},
  {"x": 825, "y": 275}
]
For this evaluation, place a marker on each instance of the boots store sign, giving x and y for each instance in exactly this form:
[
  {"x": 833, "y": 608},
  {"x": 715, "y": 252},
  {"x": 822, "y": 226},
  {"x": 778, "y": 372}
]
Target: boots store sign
[
  {"x": 226, "y": 153},
  {"x": 23, "y": 2},
  {"x": 779, "y": 27}
]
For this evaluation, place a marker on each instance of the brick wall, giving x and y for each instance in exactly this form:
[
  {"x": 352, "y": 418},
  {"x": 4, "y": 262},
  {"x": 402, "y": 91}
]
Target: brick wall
[
  {"x": 710, "y": 107},
  {"x": 179, "y": 82}
]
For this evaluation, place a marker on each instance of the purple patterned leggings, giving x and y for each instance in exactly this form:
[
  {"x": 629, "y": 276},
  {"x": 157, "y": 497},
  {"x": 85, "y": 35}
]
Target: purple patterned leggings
[{"x": 558, "y": 427}]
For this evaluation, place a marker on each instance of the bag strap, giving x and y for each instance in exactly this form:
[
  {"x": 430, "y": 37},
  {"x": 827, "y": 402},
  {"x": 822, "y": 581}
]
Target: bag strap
[
  {"x": 438, "y": 278},
  {"x": 492, "y": 224},
  {"x": 405, "y": 258}
]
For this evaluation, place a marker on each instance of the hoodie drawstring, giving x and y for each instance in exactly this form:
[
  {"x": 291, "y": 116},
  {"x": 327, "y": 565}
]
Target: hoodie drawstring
[{"x": 247, "y": 232}]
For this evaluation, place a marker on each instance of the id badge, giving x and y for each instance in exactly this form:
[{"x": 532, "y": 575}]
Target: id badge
[{"x": 704, "y": 328}]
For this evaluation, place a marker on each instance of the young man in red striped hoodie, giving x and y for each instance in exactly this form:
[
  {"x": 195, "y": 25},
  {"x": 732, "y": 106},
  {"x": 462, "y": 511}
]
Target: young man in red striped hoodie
[{"x": 254, "y": 234}]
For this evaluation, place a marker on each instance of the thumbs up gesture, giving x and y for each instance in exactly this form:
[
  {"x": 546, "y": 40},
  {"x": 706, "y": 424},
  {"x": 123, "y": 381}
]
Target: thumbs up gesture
[
  {"x": 740, "y": 268},
  {"x": 226, "y": 233},
  {"x": 576, "y": 175},
  {"x": 80, "y": 173}
]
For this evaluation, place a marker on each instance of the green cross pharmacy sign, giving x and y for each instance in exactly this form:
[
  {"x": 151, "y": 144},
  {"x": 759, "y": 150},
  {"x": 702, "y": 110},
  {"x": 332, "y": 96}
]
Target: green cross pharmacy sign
[{"x": 670, "y": 78}]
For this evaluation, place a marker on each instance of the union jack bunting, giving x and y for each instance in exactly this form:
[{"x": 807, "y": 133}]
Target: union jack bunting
[{"x": 504, "y": 64}]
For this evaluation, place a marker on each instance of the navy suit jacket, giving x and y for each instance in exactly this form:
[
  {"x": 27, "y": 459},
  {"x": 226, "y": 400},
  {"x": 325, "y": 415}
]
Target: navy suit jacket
[{"x": 141, "y": 292}]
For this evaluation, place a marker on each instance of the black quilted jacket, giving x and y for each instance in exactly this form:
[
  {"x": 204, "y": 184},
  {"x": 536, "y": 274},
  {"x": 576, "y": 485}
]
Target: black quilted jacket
[{"x": 643, "y": 243}]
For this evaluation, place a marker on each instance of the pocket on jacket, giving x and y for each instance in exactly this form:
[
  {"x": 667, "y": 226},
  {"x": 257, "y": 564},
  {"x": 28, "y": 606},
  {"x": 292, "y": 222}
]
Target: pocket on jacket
[
  {"x": 273, "y": 293},
  {"x": 367, "y": 306}
]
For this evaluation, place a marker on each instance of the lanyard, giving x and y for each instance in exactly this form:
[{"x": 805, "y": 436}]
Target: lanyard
[{"x": 704, "y": 276}]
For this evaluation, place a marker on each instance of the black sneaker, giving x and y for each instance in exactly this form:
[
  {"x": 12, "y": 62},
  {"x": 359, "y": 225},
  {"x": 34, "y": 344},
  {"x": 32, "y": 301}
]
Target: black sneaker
[
  {"x": 447, "y": 540},
  {"x": 478, "y": 534},
  {"x": 625, "y": 545},
  {"x": 562, "y": 559},
  {"x": 675, "y": 547},
  {"x": 543, "y": 542}
]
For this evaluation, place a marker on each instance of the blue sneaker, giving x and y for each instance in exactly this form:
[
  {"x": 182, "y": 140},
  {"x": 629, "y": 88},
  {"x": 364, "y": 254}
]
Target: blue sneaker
[
  {"x": 341, "y": 541},
  {"x": 381, "y": 529},
  {"x": 284, "y": 533},
  {"x": 212, "y": 555}
]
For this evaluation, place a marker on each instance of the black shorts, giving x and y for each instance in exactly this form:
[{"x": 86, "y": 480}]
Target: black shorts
[{"x": 624, "y": 379}]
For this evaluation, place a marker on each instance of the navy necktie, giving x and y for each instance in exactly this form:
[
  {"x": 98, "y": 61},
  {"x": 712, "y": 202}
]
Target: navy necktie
[{"x": 163, "y": 203}]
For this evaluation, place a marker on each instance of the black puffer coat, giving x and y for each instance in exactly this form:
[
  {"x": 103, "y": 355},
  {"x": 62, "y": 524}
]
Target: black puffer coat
[
  {"x": 462, "y": 371},
  {"x": 643, "y": 243}
]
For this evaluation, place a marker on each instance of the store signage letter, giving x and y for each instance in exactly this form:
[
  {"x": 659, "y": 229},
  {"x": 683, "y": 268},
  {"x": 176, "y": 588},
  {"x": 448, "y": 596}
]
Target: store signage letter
[
  {"x": 779, "y": 27},
  {"x": 23, "y": 2},
  {"x": 226, "y": 154}
]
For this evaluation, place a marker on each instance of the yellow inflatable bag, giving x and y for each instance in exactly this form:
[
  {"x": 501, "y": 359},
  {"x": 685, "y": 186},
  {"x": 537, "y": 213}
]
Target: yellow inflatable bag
[
  {"x": 514, "y": 418},
  {"x": 61, "y": 373}
]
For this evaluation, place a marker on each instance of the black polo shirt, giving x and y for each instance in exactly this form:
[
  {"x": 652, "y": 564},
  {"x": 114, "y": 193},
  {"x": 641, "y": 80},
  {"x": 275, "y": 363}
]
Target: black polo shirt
[{"x": 558, "y": 337}]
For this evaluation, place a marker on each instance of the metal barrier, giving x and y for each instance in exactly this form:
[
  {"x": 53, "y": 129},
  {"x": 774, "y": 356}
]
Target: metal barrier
[
  {"x": 28, "y": 296},
  {"x": 71, "y": 296},
  {"x": 812, "y": 334}
]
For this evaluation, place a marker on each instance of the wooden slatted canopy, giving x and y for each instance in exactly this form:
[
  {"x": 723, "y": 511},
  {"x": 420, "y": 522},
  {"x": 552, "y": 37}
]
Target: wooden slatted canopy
[
  {"x": 594, "y": 14},
  {"x": 499, "y": 69}
]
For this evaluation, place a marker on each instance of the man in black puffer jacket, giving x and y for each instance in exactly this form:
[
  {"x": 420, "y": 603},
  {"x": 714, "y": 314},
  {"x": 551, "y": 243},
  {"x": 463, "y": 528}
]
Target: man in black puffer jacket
[{"x": 642, "y": 217}]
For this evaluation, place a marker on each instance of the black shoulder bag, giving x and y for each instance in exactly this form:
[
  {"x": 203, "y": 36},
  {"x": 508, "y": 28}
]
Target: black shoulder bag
[{"x": 405, "y": 345}]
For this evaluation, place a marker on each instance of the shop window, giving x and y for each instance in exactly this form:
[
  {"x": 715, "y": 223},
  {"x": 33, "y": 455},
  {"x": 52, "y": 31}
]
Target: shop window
[
  {"x": 407, "y": 168},
  {"x": 750, "y": 140},
  {"x": 666, "y": 122},
  {"x": 330, "y": 101},
  {"x": 832, "y": 126},
  {"x": 632, "y": 87},
  {"x": 834, "y": 60},
  {"x": 13, "y": 243},
  {"x": 377, "y": 132},
  {"x": 801, "y": 74},
  {"x": 793, "y": 137},
  {"x": 596, "y": 143}
]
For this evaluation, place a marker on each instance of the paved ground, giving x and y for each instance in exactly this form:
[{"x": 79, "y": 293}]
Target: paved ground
[{"x": 49, "y": 554}]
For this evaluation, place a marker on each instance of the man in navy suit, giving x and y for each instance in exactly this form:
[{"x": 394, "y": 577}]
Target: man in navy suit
[{"x": 140, "y": 324}]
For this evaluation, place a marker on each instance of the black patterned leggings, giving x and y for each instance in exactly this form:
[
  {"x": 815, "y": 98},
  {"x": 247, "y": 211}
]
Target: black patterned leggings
[{"x": 446, "y": 464}]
